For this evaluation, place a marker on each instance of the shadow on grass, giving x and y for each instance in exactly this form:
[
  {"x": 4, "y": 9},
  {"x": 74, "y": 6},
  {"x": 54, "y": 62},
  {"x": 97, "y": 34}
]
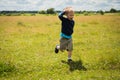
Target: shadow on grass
[
  {"x": 6, "y": 69},
  {"x": 75, "y": 65}
]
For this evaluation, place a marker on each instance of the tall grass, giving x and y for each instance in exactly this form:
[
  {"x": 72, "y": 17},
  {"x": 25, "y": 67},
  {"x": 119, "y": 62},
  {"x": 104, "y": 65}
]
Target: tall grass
[{"x": 27, "y": 48}]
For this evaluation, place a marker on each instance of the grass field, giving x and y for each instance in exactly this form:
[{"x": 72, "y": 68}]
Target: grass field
[{"x": 27, "y": 48}]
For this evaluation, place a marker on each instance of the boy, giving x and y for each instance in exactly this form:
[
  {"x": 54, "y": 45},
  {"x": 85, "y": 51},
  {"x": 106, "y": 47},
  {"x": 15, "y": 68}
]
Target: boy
[{"x": 66, "y": 32}]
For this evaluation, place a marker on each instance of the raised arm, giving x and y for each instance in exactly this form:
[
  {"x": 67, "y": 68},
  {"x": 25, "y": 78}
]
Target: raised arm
[{"x": 61, "y": 15}]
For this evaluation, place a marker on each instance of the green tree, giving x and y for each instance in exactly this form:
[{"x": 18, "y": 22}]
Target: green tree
[
  {"x": 101, "y": 12},
  {"x": 50, "y": 11},
  {"x": 42, "y": 12},
  {"x": 112, "y": 10}
]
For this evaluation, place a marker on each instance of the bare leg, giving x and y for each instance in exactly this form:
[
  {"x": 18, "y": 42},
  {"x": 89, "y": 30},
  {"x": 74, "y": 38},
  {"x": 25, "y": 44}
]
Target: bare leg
[{"x": 69, "y": 54}]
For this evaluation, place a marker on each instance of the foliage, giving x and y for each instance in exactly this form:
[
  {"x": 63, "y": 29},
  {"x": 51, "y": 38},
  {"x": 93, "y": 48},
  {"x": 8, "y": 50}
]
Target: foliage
[
  {"x": 50, "y": 11},
  {"x": 42, "y": 12},
  {"x": 101, "y": 12},
  {"x": 112, "y": 10}
]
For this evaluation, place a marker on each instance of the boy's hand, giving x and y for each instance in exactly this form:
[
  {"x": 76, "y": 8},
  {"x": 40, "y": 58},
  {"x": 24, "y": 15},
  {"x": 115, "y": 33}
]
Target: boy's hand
[{"x": 67, "y": 9}]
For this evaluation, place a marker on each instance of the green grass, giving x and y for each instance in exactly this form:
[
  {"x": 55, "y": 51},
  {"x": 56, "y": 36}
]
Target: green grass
[{"x": 27, "y": 48}]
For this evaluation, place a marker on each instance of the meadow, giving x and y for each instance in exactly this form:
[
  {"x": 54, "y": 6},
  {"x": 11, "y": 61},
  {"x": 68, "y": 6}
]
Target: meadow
[{"x": 27, "y": 48}]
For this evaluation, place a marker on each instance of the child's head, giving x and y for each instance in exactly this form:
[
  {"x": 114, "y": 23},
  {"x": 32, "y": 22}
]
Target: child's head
[{"x": 69, "y": 13}]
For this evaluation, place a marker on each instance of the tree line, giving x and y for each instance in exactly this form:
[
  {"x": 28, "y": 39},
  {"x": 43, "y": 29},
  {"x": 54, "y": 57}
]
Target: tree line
[{"x": 52, "y": 11}]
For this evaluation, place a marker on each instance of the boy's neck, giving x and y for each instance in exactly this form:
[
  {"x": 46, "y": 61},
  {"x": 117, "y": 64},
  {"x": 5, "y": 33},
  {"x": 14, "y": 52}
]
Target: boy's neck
[{"x": 69, "y": 19}]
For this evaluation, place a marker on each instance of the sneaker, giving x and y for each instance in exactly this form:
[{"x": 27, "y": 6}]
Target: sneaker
[
  {"x": 70, "y": 60},
  {"x": 56, "y": 50}
]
